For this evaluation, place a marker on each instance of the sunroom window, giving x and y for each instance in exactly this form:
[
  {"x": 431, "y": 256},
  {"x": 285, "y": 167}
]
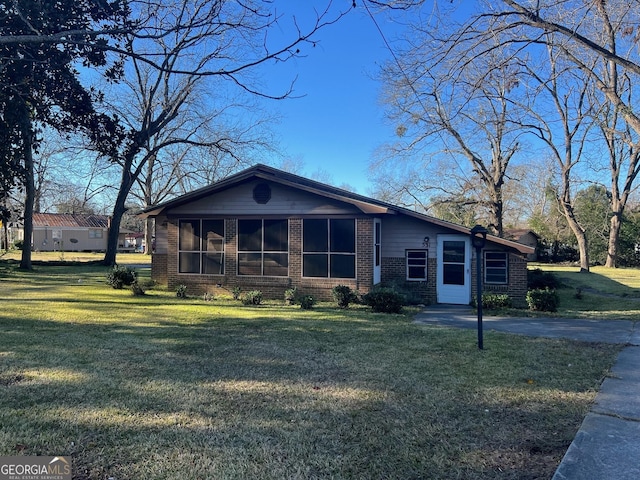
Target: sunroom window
[
  {"x": 329, "y": 248},
  {"x": 263, "y": 247},
  {"x": 201, "y": 246}
]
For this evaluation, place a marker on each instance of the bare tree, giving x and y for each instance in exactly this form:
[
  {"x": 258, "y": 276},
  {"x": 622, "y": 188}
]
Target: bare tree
[
  {"x": 582, "y": 31},
  {"x": 185, "y": 44},
  {"x": 461, "y": 109}
]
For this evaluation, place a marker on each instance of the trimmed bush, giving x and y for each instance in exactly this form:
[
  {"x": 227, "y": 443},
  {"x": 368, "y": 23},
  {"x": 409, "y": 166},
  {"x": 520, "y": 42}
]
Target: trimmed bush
[
  {"x": 181, "y": 291},
  {"x": 236, "y": 292},
  {"x": 494, "y": 301},
  {"x": 137, "y": 289},
  {"x": 537, "y": 279},
  {"x": 543, "y": 300},
  {"x": 290, "y": 296},
  {"x": 254, "y": 297},
  {"x": 307, "y": 302},
  {"x": 343, "y": 295},
  {"x": 384, "y": 300},
  {"x": 119, "y": 277}
]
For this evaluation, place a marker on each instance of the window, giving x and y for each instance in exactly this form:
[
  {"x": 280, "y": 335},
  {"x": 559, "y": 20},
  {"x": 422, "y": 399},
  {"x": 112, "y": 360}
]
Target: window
[
  {"x": 201, "y": 247},
  {"x": 417, "y": 265},
  {"x": 495, "y": 267},
  {"x": 329, "y": 248},
  {"x": 95, "y": 233},
  {"x": 263, "y": 247}
]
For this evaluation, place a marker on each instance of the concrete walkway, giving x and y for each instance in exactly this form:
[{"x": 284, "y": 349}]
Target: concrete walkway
[{"x": 607, "y": 445}]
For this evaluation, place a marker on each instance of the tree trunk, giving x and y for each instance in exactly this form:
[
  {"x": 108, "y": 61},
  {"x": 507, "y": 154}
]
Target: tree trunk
[
  {"x": 119, "y": 209},
  {"x": 614, "y": 236},
  {"x": 148, "y": 236},
  {"x": 581, "y": 238},
  {"x": 29, "y": 186}
]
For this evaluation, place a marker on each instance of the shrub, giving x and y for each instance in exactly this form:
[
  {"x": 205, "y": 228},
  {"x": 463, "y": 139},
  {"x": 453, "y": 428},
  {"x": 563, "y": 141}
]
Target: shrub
[
  {"x": 494, "y": 301},
  {"x": 537, "y": 279},
  {"x": 18, "y": 244},
  {"x": 307, "y": 302},
  {"x": 290, "y": 296},
  {"x": 137, "y": 289},
  {"x": 343, "y": 295},
  {"x": 207, "y": 297},
  {"x": 236, "y": 292},
  {"x": 254, "y": 297},
  {"x": 410, "y": 290},
  {"x": 384, "y": 300},
  {"x": 119, "y": 277},
  {"x": 544, "y": 300},
  {"x": 181, "y": 291}
]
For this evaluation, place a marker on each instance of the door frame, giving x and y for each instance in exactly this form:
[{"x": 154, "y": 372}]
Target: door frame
[
  {"x": 377, "y": 250},
  {"x": 453, "y": 294}
]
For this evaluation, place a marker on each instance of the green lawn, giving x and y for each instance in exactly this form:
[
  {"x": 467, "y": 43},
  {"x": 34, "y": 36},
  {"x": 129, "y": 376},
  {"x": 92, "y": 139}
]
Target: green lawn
[
  {"x": 155, "y": 387},
  {"x": 603, "y": 293}
]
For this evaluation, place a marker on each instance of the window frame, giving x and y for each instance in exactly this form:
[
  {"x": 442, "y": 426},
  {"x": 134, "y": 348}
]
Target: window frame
[
  {"x": 332, "y": 255},
  {"x": 407, "y": 265},
  {"x": 264, "y": 254},
  {"x": 201, "y": 249},
  {"x": 96, "y": 233},
  {"x": 486, "y": 269}
]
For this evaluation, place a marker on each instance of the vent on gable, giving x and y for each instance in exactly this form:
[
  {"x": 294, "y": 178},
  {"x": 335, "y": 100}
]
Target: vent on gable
[{"x": 262, "y": 193}]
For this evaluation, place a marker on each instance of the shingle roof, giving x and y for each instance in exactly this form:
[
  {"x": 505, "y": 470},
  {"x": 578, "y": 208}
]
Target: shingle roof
[
  {"x": 70, "y": 220},
  {"x": 365, "y": 204}
]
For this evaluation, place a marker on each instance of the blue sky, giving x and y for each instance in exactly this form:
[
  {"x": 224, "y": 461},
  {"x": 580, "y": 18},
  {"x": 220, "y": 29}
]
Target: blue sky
[{"x": 338, "y": 123}]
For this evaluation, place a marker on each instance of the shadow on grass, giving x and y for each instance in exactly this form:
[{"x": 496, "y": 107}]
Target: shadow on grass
[{"x": 154, "y": 387}]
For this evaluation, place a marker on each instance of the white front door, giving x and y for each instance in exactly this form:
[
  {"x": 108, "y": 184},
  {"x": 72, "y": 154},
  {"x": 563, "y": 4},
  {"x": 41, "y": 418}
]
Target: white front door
[
  {"x": 377, "y": 252},
  {"x": 454, "y": 269}
]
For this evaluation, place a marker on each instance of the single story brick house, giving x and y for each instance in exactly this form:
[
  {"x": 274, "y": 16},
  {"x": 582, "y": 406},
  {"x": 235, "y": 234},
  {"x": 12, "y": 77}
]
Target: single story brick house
[{"x": 269, "y": 230}]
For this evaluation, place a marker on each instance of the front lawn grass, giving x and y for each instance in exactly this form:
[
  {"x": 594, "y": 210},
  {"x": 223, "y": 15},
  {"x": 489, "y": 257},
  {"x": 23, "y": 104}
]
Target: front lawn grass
[
  {"x": 602, "y": 293},
  {"x": 164, "y": 388}
]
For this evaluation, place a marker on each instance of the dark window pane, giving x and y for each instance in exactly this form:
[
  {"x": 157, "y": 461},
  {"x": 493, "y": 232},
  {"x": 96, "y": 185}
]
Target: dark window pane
[
  {"x": 495, "y": 267},
  {"x": 213, "y": 235},
  {"x": 343, "y": 236},
  {"x": 316, "y": 236},
  {"x": 276, "y": 264},
  {"x": 249, "y": 264},
  {"x": 276, "y": 236},
  {"x": 189, "y": 262},
  {"x": 453, "y": 274},
  {"x": 453, "y": 251},
  {"x": 213, "y": 263},
  {"x": 315, "y": 265},
  {"x": 417, "y": 272},
  {"x": 189, "y": 235},
  {"x": 343, "y": 266},
  {"x": 250, "y": 235}
]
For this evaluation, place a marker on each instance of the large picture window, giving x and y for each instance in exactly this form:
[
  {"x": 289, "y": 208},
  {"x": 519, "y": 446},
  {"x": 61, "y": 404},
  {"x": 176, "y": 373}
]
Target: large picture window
[
  {"x": 496, "y": 267},
  {"x": 417, "y": 265},
  {"x": 329, "y": 248},
  {"x": 201, "y": 247},
  {"x": 263, "y": 247}
]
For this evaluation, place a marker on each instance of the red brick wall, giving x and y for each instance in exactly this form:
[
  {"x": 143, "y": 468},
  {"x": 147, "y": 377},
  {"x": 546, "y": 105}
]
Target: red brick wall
[
  {"x": 517, "y": 285},
  {"x": 271, "y": 287},
  {"x": 394, "y": 272}
]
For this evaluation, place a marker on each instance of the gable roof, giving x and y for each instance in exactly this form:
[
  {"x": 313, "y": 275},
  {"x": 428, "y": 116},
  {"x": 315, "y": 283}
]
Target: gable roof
[
  {"x": 70, "y": 220},
  {"x": 366, "y": 205}
]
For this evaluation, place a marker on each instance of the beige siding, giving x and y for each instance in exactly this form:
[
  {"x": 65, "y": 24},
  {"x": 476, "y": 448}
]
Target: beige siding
[
  {"x": 60, "y": 239},
  {"x": 238, "y": 201},
  {"x": 401, "y": 233}
]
